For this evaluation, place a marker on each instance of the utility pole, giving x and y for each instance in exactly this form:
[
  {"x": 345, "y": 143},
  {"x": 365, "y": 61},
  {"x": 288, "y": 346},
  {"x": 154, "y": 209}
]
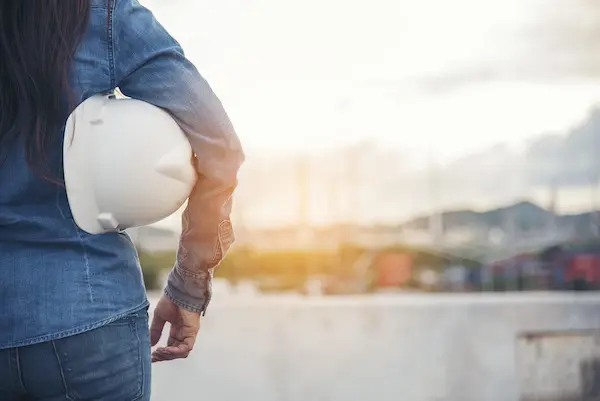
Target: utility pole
[
  {"x": 240, "y": 215},
  {"x": 303, "y": 180},
  {"x": 353, "y": 188},
  {"x": 347, "y": 188},
  {"x": 553, "y": 209},
  {"x": 595, "y": 197},
  {"x": 436, "y": 224},
  {"x": 596, "y": 189}
]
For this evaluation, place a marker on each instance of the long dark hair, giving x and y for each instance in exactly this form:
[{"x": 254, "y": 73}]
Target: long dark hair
[{"x": 38, "y": 40}]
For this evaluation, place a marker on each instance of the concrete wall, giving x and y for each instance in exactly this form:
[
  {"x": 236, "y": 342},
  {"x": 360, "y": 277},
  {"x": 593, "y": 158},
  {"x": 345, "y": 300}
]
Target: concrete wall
[
  {"x": 563, "y": 365},
  {"x": 398, "y": 347}
]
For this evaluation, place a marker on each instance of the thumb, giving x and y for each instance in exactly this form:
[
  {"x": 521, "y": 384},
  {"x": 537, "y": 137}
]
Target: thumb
[{"x": 156, "y": 328}]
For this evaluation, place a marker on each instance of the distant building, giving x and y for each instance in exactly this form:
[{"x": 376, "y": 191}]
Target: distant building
[{"x": 454, "y": 278}]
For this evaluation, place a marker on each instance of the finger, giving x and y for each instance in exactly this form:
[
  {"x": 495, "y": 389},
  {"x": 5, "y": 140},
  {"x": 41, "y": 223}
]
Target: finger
[
  {"x": 177, "y": 351},
  {"x": 188, "y": 335},
  {"x": 181, "y": 341},
  {"x": 184, "y": 337},
  {"x": 175, "y": 335},
  {"x": 163, "y": 354},
  {"x": 173, "y": 342},
  {"x": 156, "y": 328},
  {"x": 158, "y": 356}
]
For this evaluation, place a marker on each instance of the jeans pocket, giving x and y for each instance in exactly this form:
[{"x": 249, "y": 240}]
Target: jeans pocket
[{"x": 111, "y": 363}]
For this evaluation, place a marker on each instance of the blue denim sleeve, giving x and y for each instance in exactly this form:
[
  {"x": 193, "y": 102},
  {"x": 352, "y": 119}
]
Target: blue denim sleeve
[{"x": 150, "y": 65}]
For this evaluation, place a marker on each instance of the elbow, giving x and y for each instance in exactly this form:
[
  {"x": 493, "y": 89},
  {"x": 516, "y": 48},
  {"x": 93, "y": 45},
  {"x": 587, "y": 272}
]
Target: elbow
[
  {"x": 223, "y": 164},
  {"x": 237, "y": 157},
  {"x": 236, "y": 154}
]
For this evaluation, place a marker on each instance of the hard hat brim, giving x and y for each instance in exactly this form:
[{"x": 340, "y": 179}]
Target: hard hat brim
[{"x": 77, "y": 169}]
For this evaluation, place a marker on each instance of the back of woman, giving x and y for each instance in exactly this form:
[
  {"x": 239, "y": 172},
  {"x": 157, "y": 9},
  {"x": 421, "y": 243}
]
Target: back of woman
[{"x": 73, "y": 308}]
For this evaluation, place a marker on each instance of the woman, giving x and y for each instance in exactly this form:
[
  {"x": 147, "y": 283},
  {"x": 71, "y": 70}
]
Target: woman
[{"x": 73, "y": 308}]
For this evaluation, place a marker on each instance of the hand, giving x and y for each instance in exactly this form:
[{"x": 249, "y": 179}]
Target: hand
[{"x": 184, "y": 329}]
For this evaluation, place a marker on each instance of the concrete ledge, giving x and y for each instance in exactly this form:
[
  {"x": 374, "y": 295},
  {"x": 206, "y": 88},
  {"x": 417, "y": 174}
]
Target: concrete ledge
[{"x": 471, "y": 347}]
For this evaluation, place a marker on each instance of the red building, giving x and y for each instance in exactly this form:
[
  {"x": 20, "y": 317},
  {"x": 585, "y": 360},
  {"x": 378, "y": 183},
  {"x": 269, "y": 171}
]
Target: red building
[
  {"x": 393, "y": 269},
  {"x": 584, "y": 268}
]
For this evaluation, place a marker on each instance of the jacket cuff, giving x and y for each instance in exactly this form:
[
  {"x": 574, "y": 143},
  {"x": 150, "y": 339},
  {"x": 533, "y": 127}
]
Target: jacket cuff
[{"x": 189, "y": 290}]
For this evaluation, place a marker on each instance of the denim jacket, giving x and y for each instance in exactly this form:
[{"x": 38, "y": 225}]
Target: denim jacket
[{"x": 57, "y": 280}]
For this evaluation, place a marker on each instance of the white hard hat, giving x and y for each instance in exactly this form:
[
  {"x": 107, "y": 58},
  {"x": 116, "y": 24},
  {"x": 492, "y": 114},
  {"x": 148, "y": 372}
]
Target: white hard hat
[{"x": 127, "y": 164}]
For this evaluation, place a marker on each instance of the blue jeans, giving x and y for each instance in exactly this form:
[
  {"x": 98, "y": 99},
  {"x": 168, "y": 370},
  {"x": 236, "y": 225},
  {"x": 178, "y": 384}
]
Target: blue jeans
[{"x": 111, "y": 363}]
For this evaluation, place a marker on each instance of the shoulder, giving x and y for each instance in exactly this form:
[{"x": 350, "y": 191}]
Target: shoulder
[
  {"x": 93, "y": 60},
  {"x": 136, "y": 26}
]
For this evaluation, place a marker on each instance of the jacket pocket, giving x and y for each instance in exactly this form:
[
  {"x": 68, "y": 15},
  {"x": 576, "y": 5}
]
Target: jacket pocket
[{"x": 225, "y": 241}]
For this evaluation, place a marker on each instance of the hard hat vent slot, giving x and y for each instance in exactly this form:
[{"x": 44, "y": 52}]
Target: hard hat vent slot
[{"x": 108, "y": 221}]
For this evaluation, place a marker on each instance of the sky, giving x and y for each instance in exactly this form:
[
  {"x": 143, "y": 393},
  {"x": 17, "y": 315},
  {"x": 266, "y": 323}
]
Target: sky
[
  {"x": 452, "y": 76},
  {"x": 429, "y": 78}
]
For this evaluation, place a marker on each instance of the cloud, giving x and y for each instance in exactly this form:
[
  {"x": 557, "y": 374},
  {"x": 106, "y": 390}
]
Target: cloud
[
  {"x": 561, "y": 44},
  {"x": 569, "y": 160}
]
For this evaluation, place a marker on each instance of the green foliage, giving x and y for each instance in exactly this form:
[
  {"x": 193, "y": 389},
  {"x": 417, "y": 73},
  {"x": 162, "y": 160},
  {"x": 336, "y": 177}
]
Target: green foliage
[
  {"x": 154, "y": 266},
  {"x": 287, "y": 266},
  {"x": 285, "y": 270},
  {"x": 291, "y": 269}
]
